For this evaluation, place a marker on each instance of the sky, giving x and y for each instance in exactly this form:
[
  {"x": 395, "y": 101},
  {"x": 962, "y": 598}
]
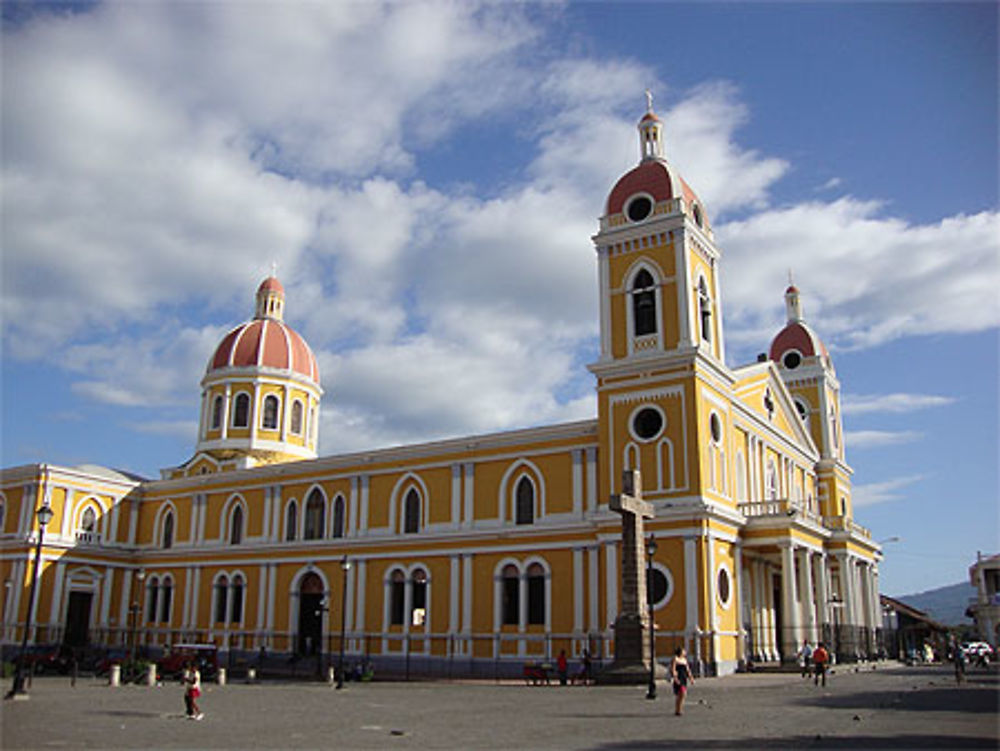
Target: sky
[{"x": 426, "y": 178}]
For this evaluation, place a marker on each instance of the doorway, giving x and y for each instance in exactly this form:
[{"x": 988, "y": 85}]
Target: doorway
[
  {"x": 310, "y": 615},
  {"x": 78, "y": 619},
  {"x": 779, "y": 625}
]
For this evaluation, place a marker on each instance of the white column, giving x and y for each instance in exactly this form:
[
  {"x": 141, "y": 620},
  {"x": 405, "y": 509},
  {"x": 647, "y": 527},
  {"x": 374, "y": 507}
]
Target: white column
[
  {"x": 577, "y": 482},
  {"x": 741, "y": 605},
  {"x": 60, "y": 578},
  {"x": 605, "y": 301},
  {"x": 456, "y": 496},
  {"x": 822, "y": 574},
  {"x": 806, "y": 596},
  {"x": 361, "y": 603},
  {"x": 591, "y": 454},
  {"x": 712, "y": 598},
  {"x": 272, "y": 579},
  {"x": 109, "y": 588},
  {"x": 577, "y": 590},
  {"x": 690, "y": 586},
  {"x": 467, "y": 598},
  {"x": 453, "y": 593},
  {"x": 593, "y": 588},
  {"x": 470, "y": 494},
  {"x": 363, "y": 519},
  {"x": 262, "y": 590},
  {"x": 352, "y": 515},
  {"x": 611, "y": 582},
  {"x": 226, "y": 417},
  {"x": 789, "y": 638}
]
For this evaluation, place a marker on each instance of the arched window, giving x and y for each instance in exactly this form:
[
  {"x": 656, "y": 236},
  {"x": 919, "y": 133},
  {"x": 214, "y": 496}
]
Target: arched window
[
  {"x": 3, "y": 515},
  {"x": 536, "y": 594},
  {"x": 525, "y": 502},
  {"x": 338, "y": 517},
  {"x": 291, "y": 520},
  {"x": 241, "y": 411},
  {"x": 644, "y": 304},
  {"x": 236, "y": 600},
  {"x": 397, "y": 598},
  {"x": 510, "y": 595},
  {"x": 704, "y": 310},
  {"x": 168, "y": 530},
  {"x": 314, "y": 516},
  {"x": 166, "y": 599},
  {"x": 269, "y": 421},
  {"x": 152, "y": 590},
  {"x": 297, "y": 417},
  {"x": 216, "y": 413},
  {"x": 221, "y": 594},
  {"x": 236, "y": 526},
  {"x": 418, "y": 598},
  {"x": 411, "y": 512}
]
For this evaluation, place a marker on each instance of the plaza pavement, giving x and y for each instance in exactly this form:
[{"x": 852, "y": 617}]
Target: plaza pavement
[{"x": 890, "y": 707}]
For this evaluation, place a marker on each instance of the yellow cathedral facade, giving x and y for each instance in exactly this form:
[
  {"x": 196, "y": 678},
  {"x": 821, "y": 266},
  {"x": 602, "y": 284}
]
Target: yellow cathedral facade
[{"x": 483, "y": 552}]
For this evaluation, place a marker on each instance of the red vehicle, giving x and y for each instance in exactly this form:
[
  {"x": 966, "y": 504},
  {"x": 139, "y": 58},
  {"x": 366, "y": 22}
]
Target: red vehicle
[{"x": 205, "y": 656}]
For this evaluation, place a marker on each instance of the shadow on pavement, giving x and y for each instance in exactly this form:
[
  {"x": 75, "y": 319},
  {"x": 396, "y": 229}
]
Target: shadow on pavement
[
  {"x": 926, "y": 700},
  {"x": 808, "y": 742}
]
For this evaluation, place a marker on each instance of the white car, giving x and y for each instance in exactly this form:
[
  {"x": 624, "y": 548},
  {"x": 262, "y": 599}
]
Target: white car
[{"x": 975, "y": 649}]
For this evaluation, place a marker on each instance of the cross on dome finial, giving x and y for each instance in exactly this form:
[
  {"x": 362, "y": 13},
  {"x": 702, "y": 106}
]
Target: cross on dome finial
[
  {"x": 649, "y": 100},
  {"x": 274, "y": 269}
]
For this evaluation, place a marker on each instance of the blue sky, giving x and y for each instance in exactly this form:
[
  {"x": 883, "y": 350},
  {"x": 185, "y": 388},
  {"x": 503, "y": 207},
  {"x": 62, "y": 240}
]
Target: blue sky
[{"x": 425, "y": 175}]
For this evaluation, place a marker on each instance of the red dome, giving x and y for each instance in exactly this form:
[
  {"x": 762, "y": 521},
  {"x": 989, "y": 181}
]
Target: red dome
[
  {"x": 271, "y": 284},
  {"x": 797, "y": 336},
  {"x": 651, "y": 176},
  {"x": 266, "y": 343}
]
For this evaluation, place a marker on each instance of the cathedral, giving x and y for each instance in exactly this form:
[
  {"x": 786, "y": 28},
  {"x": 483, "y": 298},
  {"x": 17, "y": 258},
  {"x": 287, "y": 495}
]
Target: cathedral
[{"x": 481, "y": 553}]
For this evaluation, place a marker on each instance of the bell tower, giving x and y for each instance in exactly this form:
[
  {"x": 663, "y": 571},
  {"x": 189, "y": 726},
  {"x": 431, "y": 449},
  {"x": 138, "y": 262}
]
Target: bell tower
[{"x": 661, "y": 322}]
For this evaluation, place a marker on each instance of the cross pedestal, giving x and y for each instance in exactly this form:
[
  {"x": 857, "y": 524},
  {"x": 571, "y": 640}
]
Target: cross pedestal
[{"x": 632, "y": 654}]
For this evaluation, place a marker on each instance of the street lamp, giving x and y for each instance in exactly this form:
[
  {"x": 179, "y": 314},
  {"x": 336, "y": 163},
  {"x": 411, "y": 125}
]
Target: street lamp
[
  {"x": 135, "y": 610},
  {"x": 44, "y": 515},
  {"x": 650, "y": 552},
  {"x": 345, "y": 566},
  {"x": 322, "y": 608}
]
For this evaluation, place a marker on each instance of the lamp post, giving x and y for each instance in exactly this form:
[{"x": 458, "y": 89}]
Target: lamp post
[
  {"x": 345, "y": 566},
  {"x": 44, "y": 515},
  {"x": 135, "y": 610},
  {"x": 324, "y": 607},
  {"x": 650, "y": 552}
]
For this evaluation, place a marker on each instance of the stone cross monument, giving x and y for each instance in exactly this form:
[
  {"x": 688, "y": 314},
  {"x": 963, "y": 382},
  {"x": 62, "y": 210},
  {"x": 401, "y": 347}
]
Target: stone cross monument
[{"x": 631, "y": 663}]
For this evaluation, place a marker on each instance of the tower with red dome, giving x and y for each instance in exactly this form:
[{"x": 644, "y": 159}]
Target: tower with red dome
[{"x": 260, "y": 393}]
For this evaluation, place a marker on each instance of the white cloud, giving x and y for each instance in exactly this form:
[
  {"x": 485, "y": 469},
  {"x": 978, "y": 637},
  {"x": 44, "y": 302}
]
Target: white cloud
[
  {"x": 833, "y": 182},
  {"x": 882, "y": 492},
  {"x": 863, "y": 404},
  {"x": 862, "y": 439},
  {"x": 866, "y": 278}
]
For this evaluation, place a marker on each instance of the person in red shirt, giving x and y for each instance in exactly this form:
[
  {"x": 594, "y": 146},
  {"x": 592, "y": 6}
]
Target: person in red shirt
[
  {"x": 820, "y": 658},
  {"x": 563, "y": 667}
]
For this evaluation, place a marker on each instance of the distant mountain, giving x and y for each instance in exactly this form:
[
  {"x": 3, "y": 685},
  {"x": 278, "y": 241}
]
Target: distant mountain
[{"x": 945, "y": 604}]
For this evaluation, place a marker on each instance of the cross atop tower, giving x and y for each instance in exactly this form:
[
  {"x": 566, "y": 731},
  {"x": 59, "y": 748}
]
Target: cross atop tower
[{"x": 649, "y": 100}]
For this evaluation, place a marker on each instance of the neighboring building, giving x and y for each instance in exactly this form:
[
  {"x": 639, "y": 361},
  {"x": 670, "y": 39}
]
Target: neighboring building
[
  {"x": 906, "y": 631},
  {"x": 985, "y": 607},
  {"x": 488, "y": 550}
]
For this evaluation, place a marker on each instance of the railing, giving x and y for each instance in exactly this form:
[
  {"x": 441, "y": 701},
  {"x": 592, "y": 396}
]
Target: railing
[
  {"x": 88, "y": 538},
  {"x": 779, "y": 507}
]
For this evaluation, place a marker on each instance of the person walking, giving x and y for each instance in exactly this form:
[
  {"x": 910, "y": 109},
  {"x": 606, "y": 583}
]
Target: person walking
[
  {"x": 563, "y": 667},
  {"x": 820, "y": 658},
  {"x": 805, "y": 658},
  {"x": 958, "y": 656},
  {"x": 680, "y": 677},
  {"x": 192, "y": 691}
]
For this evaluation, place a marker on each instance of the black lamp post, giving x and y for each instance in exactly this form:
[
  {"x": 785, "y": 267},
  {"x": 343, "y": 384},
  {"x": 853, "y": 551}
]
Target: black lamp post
[
  {"x": 650, "y": 552},
  {"x": 323, "y": 608},
  {"x": 135, "y": 610},
  {"x": 345, "y": 566},
  {"x": 44, "y": 515}
]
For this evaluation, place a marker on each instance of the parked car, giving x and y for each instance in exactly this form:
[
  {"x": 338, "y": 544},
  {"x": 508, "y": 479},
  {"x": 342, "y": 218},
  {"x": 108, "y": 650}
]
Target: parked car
[
  {"x": 975, "y": 650},
  {"x": 48, "y": 659},
  {"x": 176, "y": 656}
]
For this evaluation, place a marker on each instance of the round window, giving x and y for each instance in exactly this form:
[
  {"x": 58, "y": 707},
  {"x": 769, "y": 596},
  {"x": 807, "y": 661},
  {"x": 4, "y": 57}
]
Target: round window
[
  {"x": 715, "y": 427},
  {"x": 639, "y": 208},
  {"x": 792, "y": 360},
  {"x": 657, "y": 586},
  {"x": 647, "y": 423},
  {"x": 724, "y": 587}
]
